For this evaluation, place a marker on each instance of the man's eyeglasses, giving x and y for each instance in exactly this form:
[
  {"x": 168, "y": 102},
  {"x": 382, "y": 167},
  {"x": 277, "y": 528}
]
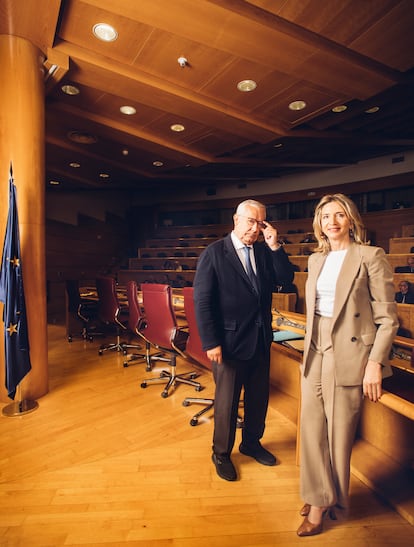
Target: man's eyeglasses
[{"x": 252, "y": 221}]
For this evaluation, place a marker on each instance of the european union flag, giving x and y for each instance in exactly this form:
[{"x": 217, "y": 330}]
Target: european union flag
[{"x": 16, "y": 339}]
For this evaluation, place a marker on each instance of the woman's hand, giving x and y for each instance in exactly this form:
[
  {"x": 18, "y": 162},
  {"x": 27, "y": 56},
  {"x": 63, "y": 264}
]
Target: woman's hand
[{"x": 372, "y": 382}]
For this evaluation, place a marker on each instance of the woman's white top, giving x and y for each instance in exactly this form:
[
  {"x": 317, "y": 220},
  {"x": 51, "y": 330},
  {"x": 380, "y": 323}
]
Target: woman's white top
[{"x": 326, "y": 284}]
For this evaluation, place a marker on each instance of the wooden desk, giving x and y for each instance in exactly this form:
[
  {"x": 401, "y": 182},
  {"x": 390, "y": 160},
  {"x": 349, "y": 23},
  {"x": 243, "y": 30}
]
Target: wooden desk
[
  {"x": 401, "y": 245},
  {"x": 406, "y": 317}
]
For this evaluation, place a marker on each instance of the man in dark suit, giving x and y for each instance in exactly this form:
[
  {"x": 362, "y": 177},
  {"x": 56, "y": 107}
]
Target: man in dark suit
[
  {"x": 405, "y": 295},
  {"x": 233, "y": 288},
  {"x": 409, "y": 268}
]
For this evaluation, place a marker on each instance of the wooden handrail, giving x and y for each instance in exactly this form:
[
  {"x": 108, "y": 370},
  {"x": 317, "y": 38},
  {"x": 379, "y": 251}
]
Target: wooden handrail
[{"x": 398, "y": 404}]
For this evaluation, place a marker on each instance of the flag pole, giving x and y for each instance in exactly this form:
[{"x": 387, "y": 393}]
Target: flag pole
[
  {"x": 16, "y": 337},
  {"x": 19, "y": 407}
]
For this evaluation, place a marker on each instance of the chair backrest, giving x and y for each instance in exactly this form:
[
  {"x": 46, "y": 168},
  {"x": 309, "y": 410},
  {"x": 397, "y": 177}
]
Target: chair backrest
[
  {"x": 109, "y": 308},
  {"x": 160, "y": 318},
  {"x": 73, "y": 296},
  {"x": 135, "y": 316},
  {"x": 194, "y": 346}
]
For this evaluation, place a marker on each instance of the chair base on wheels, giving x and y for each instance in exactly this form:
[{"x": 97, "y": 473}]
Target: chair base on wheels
[
  {"x": 118, "y": 346},
  {"x": 171, "y": 378},
  {"x": 146, "y": 357},
  {"x": 85, "y": 332},
  {"x": 134, "y": 359},
  {"x": 209, "y": 405}
]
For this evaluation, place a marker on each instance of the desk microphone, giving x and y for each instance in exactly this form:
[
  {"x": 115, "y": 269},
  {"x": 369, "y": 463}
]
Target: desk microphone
[{"x": 282, "y": 320}]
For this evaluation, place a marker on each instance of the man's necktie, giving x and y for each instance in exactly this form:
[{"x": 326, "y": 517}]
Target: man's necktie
[{"x": 249, "y": 267}]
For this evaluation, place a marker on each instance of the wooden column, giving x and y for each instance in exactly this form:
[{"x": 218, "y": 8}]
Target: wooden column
[{"x": 22, "y": 142}]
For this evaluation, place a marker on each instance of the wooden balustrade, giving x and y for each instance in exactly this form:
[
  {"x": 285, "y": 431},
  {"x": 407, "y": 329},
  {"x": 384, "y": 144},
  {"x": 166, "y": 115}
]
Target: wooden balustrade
[
  {"x": 401, "y": 245},
  {"x": 170, "y": 252},
  {"x": 173, "y": 263},
  {"x": 398, "y": 259},
  {"x": 179, "y": 242}
]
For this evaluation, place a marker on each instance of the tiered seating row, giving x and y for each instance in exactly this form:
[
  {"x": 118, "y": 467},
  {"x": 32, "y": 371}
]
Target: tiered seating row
[
  {"x": 173, "y": 259},
  {"x": 401, "y": 245},
  {"x": 181, "y": 242}
]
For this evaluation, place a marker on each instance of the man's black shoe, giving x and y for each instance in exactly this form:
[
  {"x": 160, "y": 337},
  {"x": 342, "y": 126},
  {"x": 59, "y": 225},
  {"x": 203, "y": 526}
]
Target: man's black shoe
[
  {"x": 224, "y": 467},
  {"x": 259, "y": 453}
]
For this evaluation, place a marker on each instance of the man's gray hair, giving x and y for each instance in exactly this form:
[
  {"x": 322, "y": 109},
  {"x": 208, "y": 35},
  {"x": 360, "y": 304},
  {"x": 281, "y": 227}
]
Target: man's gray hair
[{"x": 249, "y": 203}]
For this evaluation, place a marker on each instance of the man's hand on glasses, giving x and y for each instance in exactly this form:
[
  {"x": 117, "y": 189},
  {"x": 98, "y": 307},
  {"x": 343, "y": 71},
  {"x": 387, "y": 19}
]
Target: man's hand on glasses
[{"x": 269, "y": 235}]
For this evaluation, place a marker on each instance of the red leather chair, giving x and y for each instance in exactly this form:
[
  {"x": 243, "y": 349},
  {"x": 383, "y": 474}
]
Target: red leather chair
[
  {"x": 81, "y": 313},
  {"x": 137, "y": 325},
  {"x": 195, "y": 350},
  {"x": 163, "y": 332},
  {"x": 111, "y": 313}
]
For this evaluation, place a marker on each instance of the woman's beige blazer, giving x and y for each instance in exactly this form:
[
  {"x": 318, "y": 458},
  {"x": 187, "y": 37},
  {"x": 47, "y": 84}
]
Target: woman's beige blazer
[{"x": 364, "y": 320}]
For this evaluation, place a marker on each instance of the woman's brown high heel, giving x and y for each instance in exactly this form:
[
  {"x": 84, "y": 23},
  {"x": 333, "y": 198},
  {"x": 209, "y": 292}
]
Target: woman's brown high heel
[{"x": 307, "y": 528}]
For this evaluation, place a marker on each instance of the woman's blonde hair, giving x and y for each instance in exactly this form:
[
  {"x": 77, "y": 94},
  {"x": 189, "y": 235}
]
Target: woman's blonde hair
[{"x": 357, "y": 231}]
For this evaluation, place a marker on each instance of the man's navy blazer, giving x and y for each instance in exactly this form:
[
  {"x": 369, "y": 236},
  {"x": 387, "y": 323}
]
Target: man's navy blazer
[{"x": 229, "y": 312}]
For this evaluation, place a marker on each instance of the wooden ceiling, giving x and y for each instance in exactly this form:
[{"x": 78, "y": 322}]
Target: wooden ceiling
[{"x": 357, "y": 53}]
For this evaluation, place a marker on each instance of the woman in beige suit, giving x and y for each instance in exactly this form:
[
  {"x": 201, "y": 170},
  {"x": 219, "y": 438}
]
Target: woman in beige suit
[{"x": 351, "y": 323}]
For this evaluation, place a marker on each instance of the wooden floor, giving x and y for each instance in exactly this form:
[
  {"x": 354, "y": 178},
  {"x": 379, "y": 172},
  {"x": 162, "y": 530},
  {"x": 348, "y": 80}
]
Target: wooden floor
[{"x": 104, "y": 462}]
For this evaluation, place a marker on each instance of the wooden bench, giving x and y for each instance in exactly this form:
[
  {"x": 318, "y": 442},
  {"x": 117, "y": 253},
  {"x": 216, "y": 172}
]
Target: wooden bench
[
  {"x": 406, "y": 317},
  {"x": 144, "y": 252},
  {"x": 284, "y": 301},
  {"x": 299, "y": 248},
  {"x": 398, "y": 259},
  {"x": 156, "y": 276},
  {"x": 163, "y": 263},
  {"x": 401, "y": 245},
  {"x": 180, "y": 242}
]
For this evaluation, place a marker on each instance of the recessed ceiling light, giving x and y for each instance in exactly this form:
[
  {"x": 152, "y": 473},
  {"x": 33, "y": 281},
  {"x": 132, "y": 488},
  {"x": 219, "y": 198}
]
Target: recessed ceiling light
[
  {"x": 54, "y": 182},
  {"x": 372, "y": 110},
  {"x": 157, "y": 163},
  {"x": 70, "y": 89},
  {"x": 278, "y": 145},
  {"x": 128, "y": 110},
  {"x": 246, "y": 85},
  {"x": 82, "y": 138},
  {"x": 104, "y": 175},
  {"x": 105, "y": 32},
  {"x": 177, "y": 127},
  {"x": 74, "y": 164},
  {"x": 297, "y": 105},
  {"x": 339, "y": 108},
  {"x": 125, "y": 152}
]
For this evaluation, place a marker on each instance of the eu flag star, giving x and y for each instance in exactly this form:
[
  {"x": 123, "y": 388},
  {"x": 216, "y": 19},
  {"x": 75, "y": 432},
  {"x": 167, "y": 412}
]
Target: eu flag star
[
  {"x": 12, "y": 329},
  {"x": 15, "y": 262}
]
